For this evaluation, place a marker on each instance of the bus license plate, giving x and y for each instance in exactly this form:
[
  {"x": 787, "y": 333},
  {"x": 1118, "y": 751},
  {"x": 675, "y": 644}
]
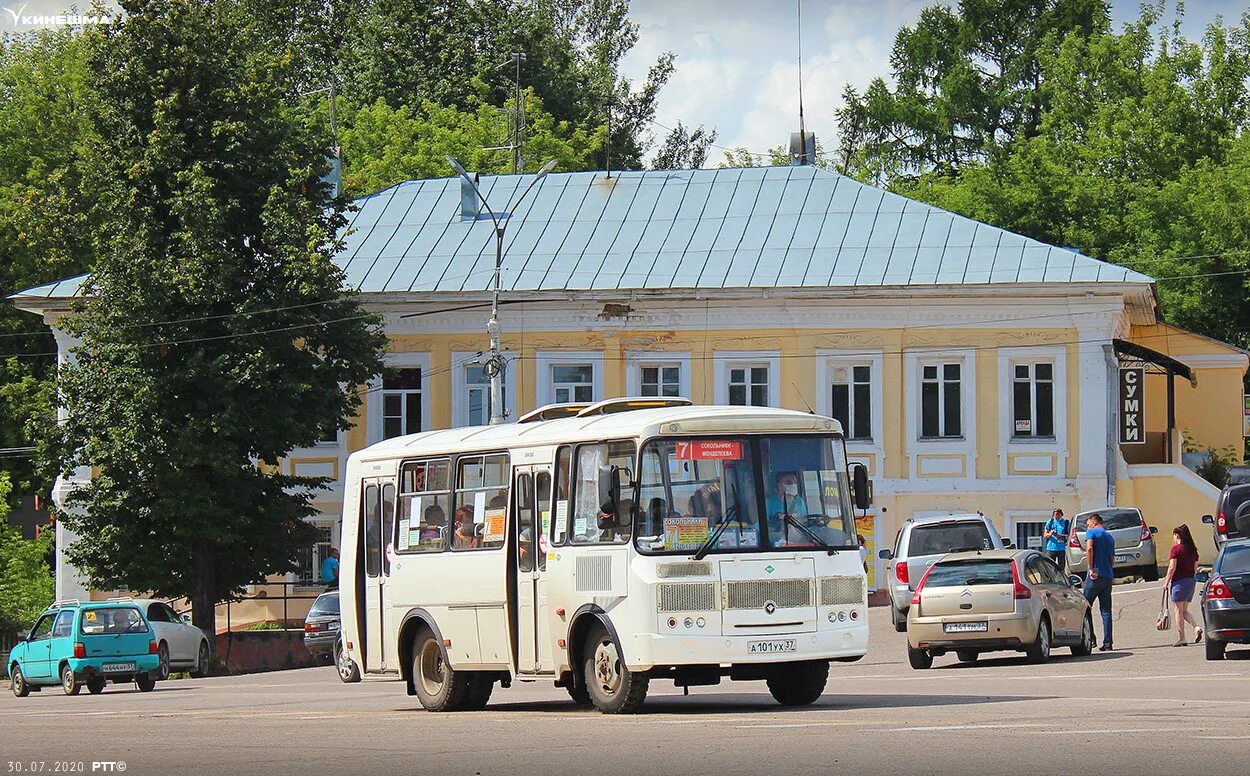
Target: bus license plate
[
  {"x": 771, "y": 647},
  {"x": 117, "y": 668},
  {"x": 966, "y": 627}
]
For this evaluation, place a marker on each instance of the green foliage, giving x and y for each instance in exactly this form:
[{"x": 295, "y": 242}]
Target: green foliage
[
  {"x": 683, "y": 149},
  {"x": 1215, "y": 467},
  {"x": 216, "y": 333},
  {"x": 26, "y": 586},
  {"x": 44, "y": 89},
  {"x": 383, "y": 145},
  {"x": 1139, "y": 156}
]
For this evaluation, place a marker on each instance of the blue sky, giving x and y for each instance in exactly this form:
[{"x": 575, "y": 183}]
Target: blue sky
[{"x": 736, "y": 59}]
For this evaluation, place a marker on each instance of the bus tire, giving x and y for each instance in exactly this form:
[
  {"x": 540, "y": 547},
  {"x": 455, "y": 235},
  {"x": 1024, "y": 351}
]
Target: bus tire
[
  {"x": 439, "y": 686},
  {"x": 799, "y": 684},
  {"x": 613, "y": 688},
  {"x": 348, "y": 671},
  {"x": 481, "y": 685}
]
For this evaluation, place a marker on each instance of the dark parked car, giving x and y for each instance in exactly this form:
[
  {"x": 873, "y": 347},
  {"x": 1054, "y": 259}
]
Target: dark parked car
[
  {"x": 321, "y": 627},
  {"x": 1226, "y": 599},
  {"x": 1232, "y": 518}
]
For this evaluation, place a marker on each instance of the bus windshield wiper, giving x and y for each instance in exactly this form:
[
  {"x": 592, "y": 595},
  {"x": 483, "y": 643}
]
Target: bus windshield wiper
[
  {"x": 794, "y": 521},
  {"x": 711, "y": 541}
]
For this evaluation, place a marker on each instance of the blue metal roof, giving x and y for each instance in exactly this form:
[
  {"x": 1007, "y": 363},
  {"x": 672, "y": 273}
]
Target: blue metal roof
[{"x": 761, "y": 227}]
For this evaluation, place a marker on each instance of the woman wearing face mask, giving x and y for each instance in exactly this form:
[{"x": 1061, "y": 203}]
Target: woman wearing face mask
[{"x": 785, "y": 500}]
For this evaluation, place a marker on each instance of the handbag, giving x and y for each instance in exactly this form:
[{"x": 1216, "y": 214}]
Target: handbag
[{"x": 1165, "y": 619}]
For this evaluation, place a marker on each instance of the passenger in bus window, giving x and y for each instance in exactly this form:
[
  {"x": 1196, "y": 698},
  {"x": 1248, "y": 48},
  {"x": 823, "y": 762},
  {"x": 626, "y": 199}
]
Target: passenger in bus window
[
  {"x": 466, "y": 537},
  {"x": 433, "y": 525}
]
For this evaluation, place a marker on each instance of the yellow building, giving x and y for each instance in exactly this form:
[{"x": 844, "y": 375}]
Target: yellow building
[{"x": 974, "y": 369}]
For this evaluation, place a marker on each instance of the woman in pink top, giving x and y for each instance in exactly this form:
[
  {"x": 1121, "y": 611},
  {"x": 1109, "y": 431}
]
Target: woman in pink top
[{"x": 1180, "y": 583}]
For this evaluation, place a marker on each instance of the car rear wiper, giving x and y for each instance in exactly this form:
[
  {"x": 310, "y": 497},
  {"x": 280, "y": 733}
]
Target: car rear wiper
[{"x": 794, "y": 521}]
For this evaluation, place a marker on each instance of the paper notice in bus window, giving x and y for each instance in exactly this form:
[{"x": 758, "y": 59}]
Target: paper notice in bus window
[
  {"x": 685, "y": 533},
  {"x": 495, "y": 522},
  {"x": 416, "y": 511},
  {"x": 546, "y": 522},
  {"x": 749, "y": 539},
  {"x": 479, "y": 507},
  {"x": 579, "y": 526},
  {"x": 403, "y": 534},
  {"x": 709, "y": 450},
  {"x": 562, "y": 518},
  {"x": 831, "y": 489}
]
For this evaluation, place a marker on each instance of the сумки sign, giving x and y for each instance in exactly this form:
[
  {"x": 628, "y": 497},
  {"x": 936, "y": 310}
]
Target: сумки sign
[{"x": 1132, "y": 405}]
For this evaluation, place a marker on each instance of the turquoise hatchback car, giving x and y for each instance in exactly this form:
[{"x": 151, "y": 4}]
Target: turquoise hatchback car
[{"x": 86, "y": 643}]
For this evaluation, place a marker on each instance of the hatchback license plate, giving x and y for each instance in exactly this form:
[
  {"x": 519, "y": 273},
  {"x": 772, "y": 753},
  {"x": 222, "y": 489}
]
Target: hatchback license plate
[
  {"x": 117, "y": 668},
  {"x": 1121, "y": 559},
  {"x": 966, "y": 627},
  {"x": 770, "y": 647}
]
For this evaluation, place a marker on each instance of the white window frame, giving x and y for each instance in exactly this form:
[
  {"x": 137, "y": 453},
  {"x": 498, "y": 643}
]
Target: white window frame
[
  {"x": 373, "y": 399},
  {"x": 636, "y": 361},
  {"x": 1008, "y": 442},
  {"x": 919, "y": 446},
  {"x": 460, "y": 385},
  {"x": 940, "y": 365},
  {"x": 545, "y": 361},
  {"x": 723, "y": 361},
  {"x": 826, "y": 366},
  {"x": 1031, "y": 365}
]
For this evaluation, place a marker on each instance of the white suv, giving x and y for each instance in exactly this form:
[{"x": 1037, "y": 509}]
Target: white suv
[{"x": 920, "y": 542}]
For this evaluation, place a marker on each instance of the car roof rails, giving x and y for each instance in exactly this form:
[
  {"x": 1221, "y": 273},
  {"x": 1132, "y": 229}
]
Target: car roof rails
[
  {"x": 64, "y": 602},
  {"x": 553, "y": 412},
  {"x": 122, "y": 598},
  {"x": 630, "y": 403}
]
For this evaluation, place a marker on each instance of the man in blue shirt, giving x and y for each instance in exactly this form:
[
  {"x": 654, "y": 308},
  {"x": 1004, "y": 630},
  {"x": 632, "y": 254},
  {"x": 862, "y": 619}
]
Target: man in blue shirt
[
  {"x": 1056, "y": 535},
  {"x": 1099, "y": 552},
  {"x": 330, "y": 568}
]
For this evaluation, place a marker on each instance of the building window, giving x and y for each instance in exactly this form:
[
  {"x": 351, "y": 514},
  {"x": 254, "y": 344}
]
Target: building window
[
  {"x": 660, "y": 380},
  {"x": 401, "y": 402},
  {"x": 748, "y": 386},
  {"x": 573, "y": 383},
  {"x": 941, "y": 411},
  {"x": 310, "y": 558},
  {"x": 477, "y": 387},
  {"x": 852, "y": 401},
  {"x": 1033, "y": 400}
]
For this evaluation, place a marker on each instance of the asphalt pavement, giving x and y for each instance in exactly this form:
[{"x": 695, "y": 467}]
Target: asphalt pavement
[{"x": 1146, "y": 708}]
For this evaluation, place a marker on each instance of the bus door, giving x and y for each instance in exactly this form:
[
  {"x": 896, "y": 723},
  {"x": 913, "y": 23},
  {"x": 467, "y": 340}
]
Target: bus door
[
  {"x": 377, "y": 526},
  {"x": 532, "y": 524}
]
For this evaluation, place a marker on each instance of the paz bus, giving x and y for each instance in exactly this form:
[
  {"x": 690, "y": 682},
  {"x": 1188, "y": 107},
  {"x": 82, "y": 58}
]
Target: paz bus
[{"x": 604, "y": 546}]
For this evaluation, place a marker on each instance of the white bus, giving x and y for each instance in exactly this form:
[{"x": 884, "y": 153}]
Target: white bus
[{"x": 604, "y": 546}]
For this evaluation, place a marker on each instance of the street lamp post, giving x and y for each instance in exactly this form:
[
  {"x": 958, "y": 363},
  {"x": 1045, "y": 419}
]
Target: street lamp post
[{"x": 496, "y": 365}]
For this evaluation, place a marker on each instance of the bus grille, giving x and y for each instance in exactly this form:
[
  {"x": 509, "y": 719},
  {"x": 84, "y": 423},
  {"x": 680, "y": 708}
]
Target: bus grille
[
  {"x": 594, "y": 572},
  {"x": 690, "y": 597},
  {"x": 684, "y": 569},
  {"x": 753, "y": 594},
  {"x": 841, "y": 590}
]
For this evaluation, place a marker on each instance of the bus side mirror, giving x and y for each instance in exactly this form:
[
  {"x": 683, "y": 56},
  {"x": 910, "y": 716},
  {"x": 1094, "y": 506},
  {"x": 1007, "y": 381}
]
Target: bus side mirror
[
  {"x": 609, "y": 497},
  {"x": 1208, "y": 520},
  {"x": 861, "y": 488}
]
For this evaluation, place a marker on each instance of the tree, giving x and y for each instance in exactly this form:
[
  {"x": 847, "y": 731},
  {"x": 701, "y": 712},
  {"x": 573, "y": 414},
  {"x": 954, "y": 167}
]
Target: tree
[
  {"x": 216, "y": 332},
  {"x": 26, "y": 586},
  {"x": 966, "y": 82},
  {"x": 44, "y": 90},
  {"x": 683, "y": 149},
  {"x": 383, "y": 145}
]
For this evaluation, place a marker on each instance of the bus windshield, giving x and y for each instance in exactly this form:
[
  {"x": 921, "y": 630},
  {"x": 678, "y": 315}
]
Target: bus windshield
[{"x": 764, "y": 490}]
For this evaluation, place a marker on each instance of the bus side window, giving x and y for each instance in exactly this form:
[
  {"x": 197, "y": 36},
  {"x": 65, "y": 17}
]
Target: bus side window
[
  {"x": 542, "y": 486},
  {"x": 373, "y": 540},
  {"x": 525, "y": 522},
  {"x": 388, "y": 526},
  {"x": 560, "y": 508}
]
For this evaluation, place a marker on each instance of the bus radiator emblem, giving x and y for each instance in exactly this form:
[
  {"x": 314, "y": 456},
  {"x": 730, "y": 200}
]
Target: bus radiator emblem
[{"x": 769, "y": 607}]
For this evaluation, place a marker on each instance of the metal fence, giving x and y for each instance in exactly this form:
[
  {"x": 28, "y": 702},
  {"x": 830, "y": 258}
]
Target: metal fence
[{"x": 264, "y": 599}]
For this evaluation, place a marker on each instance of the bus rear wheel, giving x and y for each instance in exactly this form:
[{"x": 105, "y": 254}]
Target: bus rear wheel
[
  {"x": 799, "y": 684},
  {"x": 439, "y": 686},
  {"x": 612, "y": 687}
]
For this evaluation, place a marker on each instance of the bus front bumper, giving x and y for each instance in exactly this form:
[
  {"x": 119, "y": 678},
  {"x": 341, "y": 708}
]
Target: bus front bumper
[{"x": 650, "y": 650}]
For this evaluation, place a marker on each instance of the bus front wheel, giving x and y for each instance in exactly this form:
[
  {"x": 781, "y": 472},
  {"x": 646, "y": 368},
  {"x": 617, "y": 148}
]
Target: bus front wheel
[
  {"x": 612, "y": 687},
  {"x": 439, "y": 686},
  {"x": 798, "y": 684}
]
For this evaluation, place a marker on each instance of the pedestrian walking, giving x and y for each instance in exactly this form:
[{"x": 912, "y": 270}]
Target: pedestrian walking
[
  {"x": 1099, "y": 554},
  {"x": 1179, "y": 582},
  {"x": 1055, "y": 533}
]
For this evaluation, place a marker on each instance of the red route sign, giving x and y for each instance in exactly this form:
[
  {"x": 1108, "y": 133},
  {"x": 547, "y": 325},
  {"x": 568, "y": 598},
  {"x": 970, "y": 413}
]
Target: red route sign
[{"x": 709, "y": 450}]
